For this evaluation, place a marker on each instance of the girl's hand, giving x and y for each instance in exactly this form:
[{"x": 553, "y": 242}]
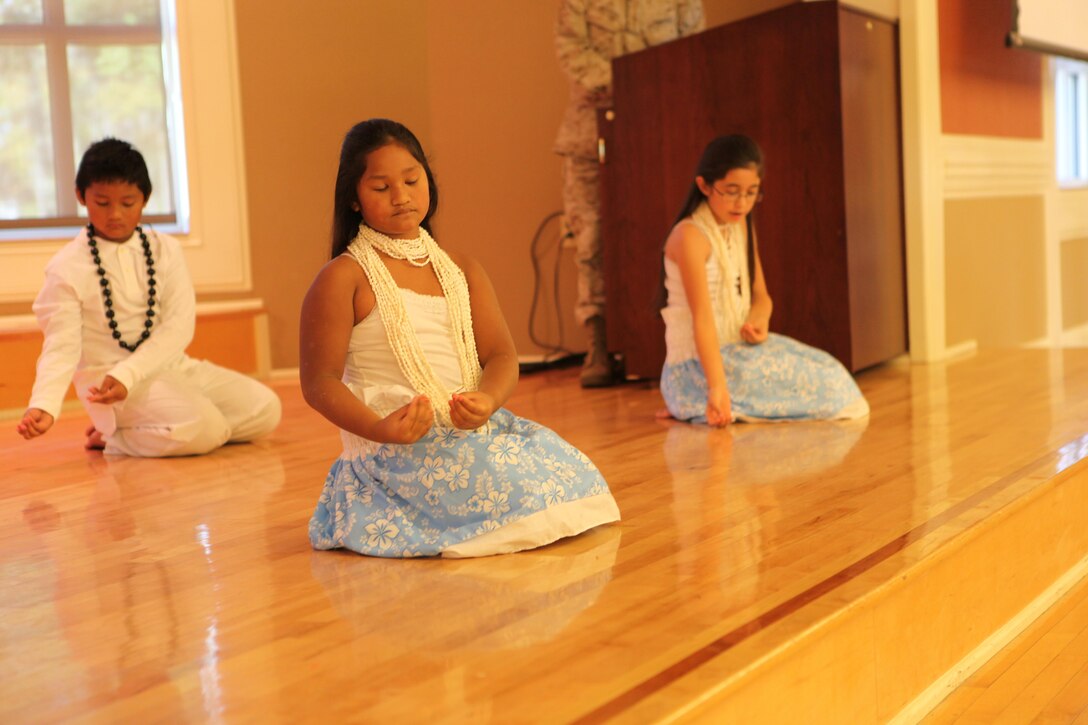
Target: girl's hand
[
  {"x": 109, "y": 392},
  {"x": 754, "y": 331},
  {"x": 471, "y": 410},
  {"x": 35, "y": 422},
  {"x": 718, "y": 410},
  {"x": 406, "y": 424}
]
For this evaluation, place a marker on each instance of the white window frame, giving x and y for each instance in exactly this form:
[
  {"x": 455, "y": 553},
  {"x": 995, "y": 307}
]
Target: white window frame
[
  {"x": 217, "y": 245},
  {"x": 56, "y": 35},
  {"x": 1071, "y": 122}
]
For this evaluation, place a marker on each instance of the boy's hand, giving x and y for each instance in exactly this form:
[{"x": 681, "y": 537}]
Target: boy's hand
[
  {"x": 35, "y": 422},
  {"x": 471, "y": 410},
  {"x": 406, "y": 424},
  {"x": 109, "y": 392}
]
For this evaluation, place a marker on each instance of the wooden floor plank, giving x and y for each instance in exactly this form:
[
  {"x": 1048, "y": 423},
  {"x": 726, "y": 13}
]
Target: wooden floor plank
[
  {"x": 1072, "y": 700},
  {"x": 186, "y": 589},
  {"x": 1052, "y": 679},
  {"x": 1038, "y": 676}
]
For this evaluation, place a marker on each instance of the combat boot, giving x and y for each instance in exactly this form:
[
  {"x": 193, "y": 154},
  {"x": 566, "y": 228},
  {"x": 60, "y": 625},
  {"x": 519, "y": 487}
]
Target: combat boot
[{"x": 597, "y": 368}]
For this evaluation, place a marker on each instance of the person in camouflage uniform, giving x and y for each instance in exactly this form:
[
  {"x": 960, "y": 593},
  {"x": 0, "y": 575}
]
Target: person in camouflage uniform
[{"x": 589, "y": 34}]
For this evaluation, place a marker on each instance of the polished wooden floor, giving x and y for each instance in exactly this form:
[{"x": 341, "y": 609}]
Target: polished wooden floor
[
  {"x": 1041, "y": 677},
  {"x": 185, "y": 590}
]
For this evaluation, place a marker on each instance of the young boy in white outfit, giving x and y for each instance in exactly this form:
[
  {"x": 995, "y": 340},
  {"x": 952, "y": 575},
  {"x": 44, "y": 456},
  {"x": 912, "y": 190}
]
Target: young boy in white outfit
[{"x": 118, "y": 310}]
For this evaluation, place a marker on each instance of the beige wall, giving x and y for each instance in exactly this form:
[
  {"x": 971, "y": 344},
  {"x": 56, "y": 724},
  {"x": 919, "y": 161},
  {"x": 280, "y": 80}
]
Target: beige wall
[
  {"x": 1074, "y": 261},
  {"x": 309, "y": 71},
  {"x": 496, "y": 97},
  {"x": 720, "y": 12},
  {"x": 476, "y": 81},
  {"x": 995, "y": 245},
  {"x": 995, "y": 271}
]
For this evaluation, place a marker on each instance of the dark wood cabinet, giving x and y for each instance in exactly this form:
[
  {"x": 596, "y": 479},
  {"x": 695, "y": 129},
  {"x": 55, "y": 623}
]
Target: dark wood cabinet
[{"x": 816, "y": 85}]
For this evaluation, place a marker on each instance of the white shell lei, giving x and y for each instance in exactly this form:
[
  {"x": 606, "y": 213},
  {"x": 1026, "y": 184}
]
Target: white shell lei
[
  {"x": 398, "y": 328},
  {"x": 731, "y": 255}
]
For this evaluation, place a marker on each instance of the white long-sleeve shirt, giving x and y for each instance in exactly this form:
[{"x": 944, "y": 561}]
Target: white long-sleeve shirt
[{"x": 72, "y": 314}]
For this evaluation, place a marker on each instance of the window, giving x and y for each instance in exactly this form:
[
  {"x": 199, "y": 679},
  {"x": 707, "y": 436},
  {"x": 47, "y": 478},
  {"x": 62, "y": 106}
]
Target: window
[
  {"x": 75, "y": 71},
  {"x": 1071, "y": 114}
]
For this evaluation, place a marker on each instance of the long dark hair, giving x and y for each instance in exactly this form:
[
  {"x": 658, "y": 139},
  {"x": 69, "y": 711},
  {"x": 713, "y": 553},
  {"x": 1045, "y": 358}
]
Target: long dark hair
[
  {"x": 721, "y": 156},
  {"x": 363, "y": 138}
]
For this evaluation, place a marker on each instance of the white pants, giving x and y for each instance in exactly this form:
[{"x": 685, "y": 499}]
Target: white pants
[{"x": 189, "y": 409}]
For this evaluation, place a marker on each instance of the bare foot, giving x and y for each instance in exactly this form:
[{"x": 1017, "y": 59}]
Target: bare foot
[
  {"x": 662, "y": 414},
  {"x": 95, "y": 441}
]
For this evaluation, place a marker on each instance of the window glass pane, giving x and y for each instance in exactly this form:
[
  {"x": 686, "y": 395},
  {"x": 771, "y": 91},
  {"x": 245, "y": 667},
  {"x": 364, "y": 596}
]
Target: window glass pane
[
  {"x": 1065, "y": 117},
  {"x": 1081, "y": 100},
  {"x": 20, "y": 11},
  {"x": 1071, "y": 121},
  {"x": 111, "y": 12},
  {"x": 117, "y": 90},
  {"x": 26, "y": 154}
]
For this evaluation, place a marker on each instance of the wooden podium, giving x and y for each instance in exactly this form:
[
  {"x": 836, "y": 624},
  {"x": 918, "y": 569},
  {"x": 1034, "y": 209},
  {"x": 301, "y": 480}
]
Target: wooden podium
[{"x": 816, "y": 85}]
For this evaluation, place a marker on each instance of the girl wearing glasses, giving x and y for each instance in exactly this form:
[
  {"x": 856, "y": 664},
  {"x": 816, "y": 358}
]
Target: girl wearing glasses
[{"x": 722, "y": 363}]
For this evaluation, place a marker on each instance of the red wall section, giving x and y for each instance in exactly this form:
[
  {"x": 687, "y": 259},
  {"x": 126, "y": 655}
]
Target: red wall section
[{"x": 986, "y": 88}]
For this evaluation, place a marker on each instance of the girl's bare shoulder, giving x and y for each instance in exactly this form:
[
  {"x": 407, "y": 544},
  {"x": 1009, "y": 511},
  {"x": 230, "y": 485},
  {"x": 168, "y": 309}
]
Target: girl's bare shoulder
[
  {"x": 467, "y": 263},
  {"x": 340, "y": 271},
  {"x": 686, "y": 240},
  {"x": 339, "y": 279}
]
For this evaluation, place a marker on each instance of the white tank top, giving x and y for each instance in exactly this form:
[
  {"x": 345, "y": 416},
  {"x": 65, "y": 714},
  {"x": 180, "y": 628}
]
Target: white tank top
[
  {"x": 679, "y": 327},
  {"x": 371, "y": 368}
]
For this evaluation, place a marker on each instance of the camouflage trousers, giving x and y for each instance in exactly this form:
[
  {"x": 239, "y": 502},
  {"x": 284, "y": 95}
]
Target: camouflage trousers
[{"x": 581, "y": 211}]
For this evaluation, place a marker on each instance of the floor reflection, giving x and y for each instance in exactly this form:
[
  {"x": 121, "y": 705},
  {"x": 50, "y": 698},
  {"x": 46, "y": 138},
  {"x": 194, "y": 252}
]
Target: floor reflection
[
  {"x": 491, "y": 603},
  {"x": 117, "y": 582},
  {"x": 732, "y": 488},
  {"x": 762, "y": 453}
]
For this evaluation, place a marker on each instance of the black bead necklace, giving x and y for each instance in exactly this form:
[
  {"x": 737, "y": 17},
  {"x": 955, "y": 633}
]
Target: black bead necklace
[{"x": 107, "y": 294}]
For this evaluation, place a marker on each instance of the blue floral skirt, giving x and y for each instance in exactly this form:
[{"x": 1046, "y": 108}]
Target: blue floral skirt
[
  {"x": 779, "y": 379},
  {"x": 454, "y": 486}
]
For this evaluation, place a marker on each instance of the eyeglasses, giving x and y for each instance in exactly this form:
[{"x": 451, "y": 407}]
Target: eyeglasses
[{"x": 749, "y": 197}]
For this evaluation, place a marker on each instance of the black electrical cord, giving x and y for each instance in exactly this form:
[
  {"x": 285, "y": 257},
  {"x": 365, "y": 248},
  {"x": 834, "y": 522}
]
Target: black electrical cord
[{"x": 557, "y": 348}]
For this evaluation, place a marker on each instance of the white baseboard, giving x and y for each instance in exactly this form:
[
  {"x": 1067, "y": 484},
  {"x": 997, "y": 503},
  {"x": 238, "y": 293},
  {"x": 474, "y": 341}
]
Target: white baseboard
[
  {"x": 540, "y": 359},
  {"x": 1075, "y": 336},
  {"x": 960, "y": 350},
  {"x": 1041, "y": 343},
  {"x": 283, "y": 374}
]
